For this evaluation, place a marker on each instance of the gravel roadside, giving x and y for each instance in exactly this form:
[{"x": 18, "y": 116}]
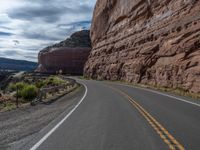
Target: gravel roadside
[{"x": 19, "y": 124}]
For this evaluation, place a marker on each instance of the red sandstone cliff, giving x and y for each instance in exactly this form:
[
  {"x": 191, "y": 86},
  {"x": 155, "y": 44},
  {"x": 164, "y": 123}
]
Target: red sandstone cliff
[
  {"x": 69, "y": 55},
  {"x": 154, "y": 42}
]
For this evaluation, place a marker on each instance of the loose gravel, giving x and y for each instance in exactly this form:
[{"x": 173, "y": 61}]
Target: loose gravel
[{"x": 18, "y": 124}]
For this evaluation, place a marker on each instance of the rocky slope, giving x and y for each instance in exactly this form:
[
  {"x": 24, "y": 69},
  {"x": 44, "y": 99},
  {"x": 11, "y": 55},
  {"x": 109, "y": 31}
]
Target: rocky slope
[
  {"x": 154, "y": 42},
  {"x": 69, "y": 55}
]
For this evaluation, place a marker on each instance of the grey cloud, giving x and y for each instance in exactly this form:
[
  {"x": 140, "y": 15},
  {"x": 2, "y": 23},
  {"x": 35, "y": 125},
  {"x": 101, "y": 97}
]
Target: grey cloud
[
  {"x": 9, "y": 53},
  {"x": 15, "y": 54},
  {"x": 5, "y": 33},
  {"x": 31, "y": 57},
  {"x": 49, "y": 13},
  {"x": 4, "y": 27},
  {"x": 16, "y": 42},
  {"x": 43, "y": 23},
  {"x": 62, "y": 30},
  {"x": 39, "y": 36},
  {"x": 76, "y": 24}
]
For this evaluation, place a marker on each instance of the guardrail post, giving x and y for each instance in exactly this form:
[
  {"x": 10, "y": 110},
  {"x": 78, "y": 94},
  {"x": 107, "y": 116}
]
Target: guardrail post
[
  {"x": 17, "y": 100},
  {"x": 45, "y": 95},
  {"x": 40, "y": 95}
]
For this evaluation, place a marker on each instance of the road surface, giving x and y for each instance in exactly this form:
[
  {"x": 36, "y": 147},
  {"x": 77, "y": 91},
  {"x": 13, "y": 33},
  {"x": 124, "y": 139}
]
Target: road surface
[{"x": 111, "y": 116}]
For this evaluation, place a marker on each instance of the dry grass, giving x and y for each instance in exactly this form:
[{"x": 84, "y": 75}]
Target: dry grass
[{"x": 178, "y": 91}]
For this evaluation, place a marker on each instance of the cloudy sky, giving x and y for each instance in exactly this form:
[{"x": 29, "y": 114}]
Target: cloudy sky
[{"x": 26, "y": 26}]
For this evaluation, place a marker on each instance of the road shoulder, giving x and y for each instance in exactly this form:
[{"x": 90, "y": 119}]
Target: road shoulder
[{"x": 21, "y": 126}]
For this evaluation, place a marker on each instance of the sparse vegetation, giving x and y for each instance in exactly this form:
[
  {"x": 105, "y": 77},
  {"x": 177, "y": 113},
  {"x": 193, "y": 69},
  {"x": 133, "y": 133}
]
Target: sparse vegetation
[
  {"x": 50, "y": 81},
  {"x": 54, "y": 81},
  {"x": 25, "y": 91},
  {"x": 40, "y": 84},
  {"x": 29, "y": 92},
  {"x": 7, "y": 105},
  {"x": 178, "y": 91},
  {"x": 26, "y": 88},
  {"x": 13, "y": 86}
]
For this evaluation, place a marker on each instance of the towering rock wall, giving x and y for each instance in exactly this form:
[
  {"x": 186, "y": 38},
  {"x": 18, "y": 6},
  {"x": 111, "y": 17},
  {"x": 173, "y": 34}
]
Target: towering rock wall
[
  {"x": 69, "y": 55},
  {"x": 154, "y": 42}
]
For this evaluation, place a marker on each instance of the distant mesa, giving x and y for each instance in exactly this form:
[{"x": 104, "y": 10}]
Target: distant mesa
[{"x": 68, "y": 56}]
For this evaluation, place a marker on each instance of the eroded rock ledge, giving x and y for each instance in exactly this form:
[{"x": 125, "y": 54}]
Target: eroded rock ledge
[{"x": 154, "y": 42}]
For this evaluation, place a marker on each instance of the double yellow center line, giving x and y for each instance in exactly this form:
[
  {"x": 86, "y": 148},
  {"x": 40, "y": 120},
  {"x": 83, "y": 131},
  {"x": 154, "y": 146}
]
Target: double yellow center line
[{"x": 172, "y": 143}]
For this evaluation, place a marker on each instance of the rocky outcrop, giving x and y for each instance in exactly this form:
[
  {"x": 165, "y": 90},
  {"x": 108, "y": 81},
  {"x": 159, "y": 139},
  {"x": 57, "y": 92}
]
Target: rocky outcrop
[
  {"x": 69, "y": 55},
  {"x": 155, "y": 42}
]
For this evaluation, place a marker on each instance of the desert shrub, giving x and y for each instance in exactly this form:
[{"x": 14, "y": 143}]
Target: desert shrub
[
  {"x": 29, "y": 92},
  {"x": 20, "y": 85},
  {"x": 40, "y": 84},
  {"x": 12, "y": 87},
  {"x": 54, "y": 81},
  {"x": 58, "y": 81}
]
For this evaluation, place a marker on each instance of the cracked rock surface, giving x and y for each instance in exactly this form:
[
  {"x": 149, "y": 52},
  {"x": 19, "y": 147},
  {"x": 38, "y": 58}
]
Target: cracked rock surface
[{"x": 154, "y": 42}]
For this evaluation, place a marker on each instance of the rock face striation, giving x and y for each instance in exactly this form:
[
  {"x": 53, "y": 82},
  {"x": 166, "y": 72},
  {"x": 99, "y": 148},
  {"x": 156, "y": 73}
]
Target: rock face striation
[
  {"x": 69, "y": 55},
  {"x": 155, "y": 42}
]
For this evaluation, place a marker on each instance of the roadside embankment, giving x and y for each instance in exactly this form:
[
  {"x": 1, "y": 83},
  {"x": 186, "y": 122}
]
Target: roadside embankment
[{"x": 20, "y": 124}]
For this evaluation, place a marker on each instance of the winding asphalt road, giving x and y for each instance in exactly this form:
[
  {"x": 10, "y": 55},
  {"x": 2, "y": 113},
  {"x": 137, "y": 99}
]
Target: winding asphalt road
[{"x": 111, "y": 116}]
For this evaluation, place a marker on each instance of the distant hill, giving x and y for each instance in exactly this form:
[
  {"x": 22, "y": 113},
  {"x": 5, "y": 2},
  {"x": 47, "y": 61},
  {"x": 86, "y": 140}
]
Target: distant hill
[{"x": 19, "y": 65}]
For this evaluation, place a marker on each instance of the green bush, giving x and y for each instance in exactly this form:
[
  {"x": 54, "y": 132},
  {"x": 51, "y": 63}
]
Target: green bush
[
  {"x": 20, "y": 85},
  {"x": 40, "y": 84},
  {"x": 29, "y": 92},
  {"x": 54, "y": 81},
  {"x": 12, "y": 87}
]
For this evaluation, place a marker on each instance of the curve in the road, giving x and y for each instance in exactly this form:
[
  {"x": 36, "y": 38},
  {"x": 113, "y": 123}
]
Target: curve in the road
[
  {"x": 156, "y": 92},
  {"x": 107, "y": 120},
  {"x": 160, "y": 130},
  {"x": 60, "y": 123}
]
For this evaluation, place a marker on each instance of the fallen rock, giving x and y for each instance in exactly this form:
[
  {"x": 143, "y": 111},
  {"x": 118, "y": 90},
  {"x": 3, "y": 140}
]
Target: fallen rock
[{"x": 155, "y": 42}]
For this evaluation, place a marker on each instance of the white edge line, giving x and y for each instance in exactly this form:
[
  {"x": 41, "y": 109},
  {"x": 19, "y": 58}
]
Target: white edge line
[
  {"x": 180, "y": 99},
  {"x": 60, "y": 123}
]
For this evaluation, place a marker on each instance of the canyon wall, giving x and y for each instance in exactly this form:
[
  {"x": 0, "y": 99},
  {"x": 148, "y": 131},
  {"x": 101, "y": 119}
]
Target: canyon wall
[
  {"x": 155, "y": 42},
  {"x": 69, "y": 55}
]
